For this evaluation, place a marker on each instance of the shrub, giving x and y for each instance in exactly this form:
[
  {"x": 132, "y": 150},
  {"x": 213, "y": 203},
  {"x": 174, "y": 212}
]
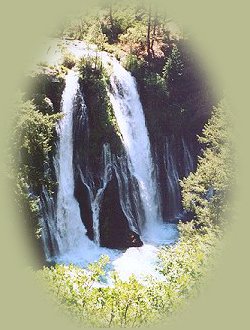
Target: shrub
[
  {"x": 33, "y": 139},
  {"x": 69, "y": 61},
  {"x": 206, "y": 191}
]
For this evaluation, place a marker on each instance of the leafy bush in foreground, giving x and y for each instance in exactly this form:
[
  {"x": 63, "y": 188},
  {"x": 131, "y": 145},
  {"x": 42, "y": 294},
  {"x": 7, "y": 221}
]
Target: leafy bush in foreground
[{"x": 131, "y": 303}]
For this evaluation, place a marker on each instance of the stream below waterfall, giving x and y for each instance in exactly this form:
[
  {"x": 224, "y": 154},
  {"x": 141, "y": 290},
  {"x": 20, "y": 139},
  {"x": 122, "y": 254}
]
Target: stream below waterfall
[{"x": 139, "y": 261}]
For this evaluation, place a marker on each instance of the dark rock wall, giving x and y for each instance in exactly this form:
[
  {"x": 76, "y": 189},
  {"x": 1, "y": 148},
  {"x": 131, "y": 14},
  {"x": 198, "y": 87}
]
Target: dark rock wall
[{"x": 114, "y": 229}]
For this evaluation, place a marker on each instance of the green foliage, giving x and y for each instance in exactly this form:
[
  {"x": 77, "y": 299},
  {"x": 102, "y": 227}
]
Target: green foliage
[
  {"x": 185, "y": 263},
  {"x": 173, "y": 68},
  {"x": 171, "y": 90},
  {"x": 155, "y": 85},
  {"x": 94, "y": 80},
  {"x": 33, "y": 136},
  {"x": 133, "y": 64},
  {"x": 174, "y": 75},
  {"x": 123, "y": 24},
  {"x": 96, "y": 36},
  {"x": 45, "y": 87},
  {"x": 151, "y": 84},
  {"x": 206, "y": 191},
  {"x": 88, "y": 29},
  {"x": 135, "y": 37},
  {"x": 115, "y": 20},
  {"x": 69, "y": 61}
]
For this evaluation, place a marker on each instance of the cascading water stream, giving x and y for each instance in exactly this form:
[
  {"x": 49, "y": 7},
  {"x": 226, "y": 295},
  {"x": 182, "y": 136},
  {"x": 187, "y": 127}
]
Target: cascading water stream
[
  {"x": 131, "y": 121},
  {"x": 48, "y": 225},
  {"x": 96, "y": 195},
  {"x": 71, "y": 233},
  {"x": 188, "y": 159},
  {"x": 172, "y": 181},
  {"x": 129, "y": 195}
]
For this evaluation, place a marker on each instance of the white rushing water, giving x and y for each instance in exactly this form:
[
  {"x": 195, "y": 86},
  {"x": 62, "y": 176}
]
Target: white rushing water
[
  {"x": 142, "y": 261},
  {"x": 129, "y": 198},
  {"x": 96, "y": 194},
  {"x": 69, "y": 233},
  {"x": 172, "y": 179},
  {"x": 188, "y": 159},
  {"x": 131, "y": 121}
]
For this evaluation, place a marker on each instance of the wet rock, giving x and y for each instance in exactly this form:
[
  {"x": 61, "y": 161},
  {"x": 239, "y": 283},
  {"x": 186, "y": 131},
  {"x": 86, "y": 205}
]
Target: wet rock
[
  {"x": 114, "y": 230},
  {"x": 82, "y": 196},
  {"x": 134, "y": 240}
]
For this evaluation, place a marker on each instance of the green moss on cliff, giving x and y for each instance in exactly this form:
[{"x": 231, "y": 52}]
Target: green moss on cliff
[{"x": 94, "y": 82}]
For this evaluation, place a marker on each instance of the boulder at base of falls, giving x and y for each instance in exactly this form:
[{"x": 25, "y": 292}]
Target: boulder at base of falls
[
  {"x": 134, "y": 240},
  {"x": 114, "y": 230}
]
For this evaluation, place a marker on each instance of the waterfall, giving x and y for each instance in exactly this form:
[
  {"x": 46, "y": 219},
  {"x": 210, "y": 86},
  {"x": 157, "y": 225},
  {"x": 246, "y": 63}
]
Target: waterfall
[
  {"x": 131, "y": 121},
  {"x": 129, "y": 194},
  {"x": 187, "y": 159},
  {"x": 178, "y": 162},
  {"x": 63, "y": 232},
  {"x": 96, "y": 194},
  {"x": 47, "y": 224},
  {"x": 129, "y": 114},
  {"x": 174, "y": 194},
  {"x": 70, "y": 229}
]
